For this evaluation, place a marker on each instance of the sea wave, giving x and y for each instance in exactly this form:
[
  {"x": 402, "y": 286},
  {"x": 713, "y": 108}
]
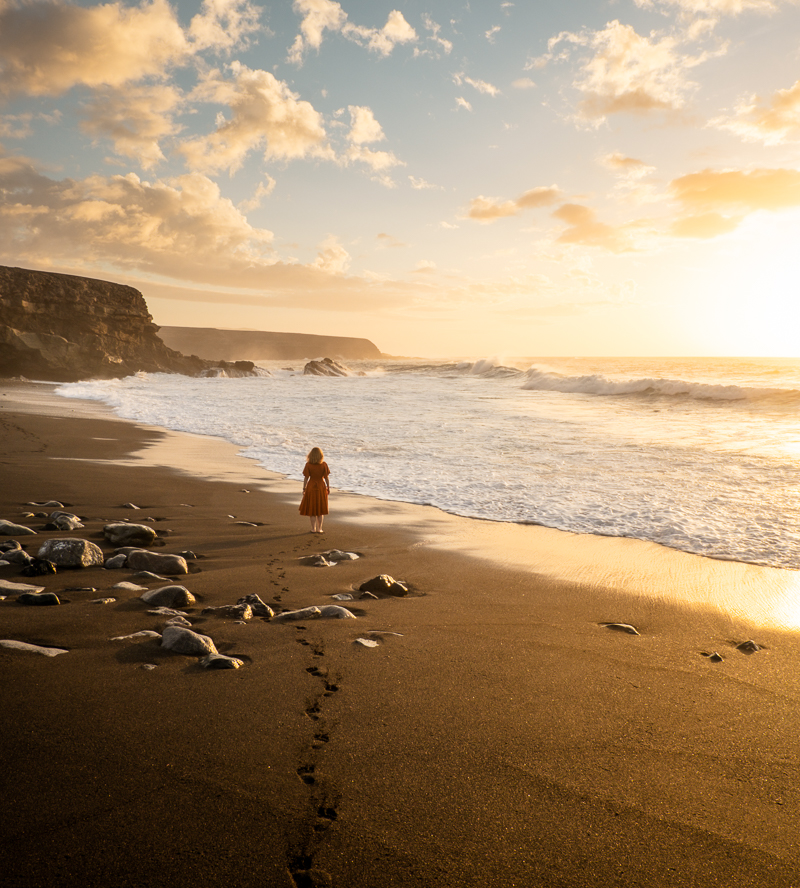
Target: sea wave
[{"x": 597, "y": 384}]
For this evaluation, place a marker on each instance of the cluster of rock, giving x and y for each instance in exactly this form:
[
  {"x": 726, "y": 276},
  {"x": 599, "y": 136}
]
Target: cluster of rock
[
  {"x": 131, "y": 540},
  {"x": 67, "y": 328}
]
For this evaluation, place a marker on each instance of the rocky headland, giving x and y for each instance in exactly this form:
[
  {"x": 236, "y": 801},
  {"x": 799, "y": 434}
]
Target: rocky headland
[{"x": 65, "y": 328}]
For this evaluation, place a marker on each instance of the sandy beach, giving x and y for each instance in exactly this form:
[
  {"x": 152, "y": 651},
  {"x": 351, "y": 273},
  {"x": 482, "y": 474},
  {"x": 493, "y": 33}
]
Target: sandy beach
[{"x": 497, "y": 734}]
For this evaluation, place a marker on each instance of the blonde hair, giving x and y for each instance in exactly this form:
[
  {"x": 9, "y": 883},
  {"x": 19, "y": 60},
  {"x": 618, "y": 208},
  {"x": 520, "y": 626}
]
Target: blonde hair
[{"x": 315, "y": 456}]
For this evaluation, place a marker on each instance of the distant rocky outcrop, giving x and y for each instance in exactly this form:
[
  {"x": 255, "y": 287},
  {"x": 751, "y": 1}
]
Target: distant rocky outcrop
[
  {"x": 327, "y": 367},
  {"x": 65, "y": 328},
  {"x": 253, "y": 345}
]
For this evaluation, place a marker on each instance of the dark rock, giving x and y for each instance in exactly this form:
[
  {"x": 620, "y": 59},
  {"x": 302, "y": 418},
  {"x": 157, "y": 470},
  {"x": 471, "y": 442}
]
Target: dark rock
[
  {"x": 326, "y": 367},
  {"x": 116, "y": 562},
  {"x": 39, "y": 567},
  {"x": 748, "y": 647},
  {"x": 72, "y": 552},
  {"x": 384, "y": 585},
  {"x": 124, "y": 534},
  {"x": 8, "y": 546},
  {"x": 44, "y": 599}
]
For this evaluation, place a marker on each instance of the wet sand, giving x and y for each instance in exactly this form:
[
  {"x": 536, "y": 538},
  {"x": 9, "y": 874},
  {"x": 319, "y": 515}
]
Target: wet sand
[{"x": 497, "y": 735}]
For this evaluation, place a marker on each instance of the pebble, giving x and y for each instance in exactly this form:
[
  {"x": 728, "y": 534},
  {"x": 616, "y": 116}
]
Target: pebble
[
  {"x": 185, "y": 641},
  {"x": 103, "y": 601},
  {"x": 145, "y": 633},
  {"x": 220, "y": 661},
  {"x": 129, "y": 587},
  {"x": 169, "y": 596},
  {"x": 748, "y": 647},
  {"x": 366, "y": 642},
  {"x": 17, "y": 588},
  {"x": 8, "y": 528},
  {"x": 32, "y": 648},
  {"x": 621, "y": 627},
  {"x": 342, "y": 596}
]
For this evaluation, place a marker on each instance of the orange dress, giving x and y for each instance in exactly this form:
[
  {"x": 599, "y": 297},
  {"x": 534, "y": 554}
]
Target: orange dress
[{"x": 315, "y": 496}]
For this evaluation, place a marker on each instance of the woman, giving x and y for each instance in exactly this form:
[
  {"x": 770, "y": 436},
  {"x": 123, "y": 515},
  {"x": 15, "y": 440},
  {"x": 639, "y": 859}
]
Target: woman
[{"x": 315, "y": 489}]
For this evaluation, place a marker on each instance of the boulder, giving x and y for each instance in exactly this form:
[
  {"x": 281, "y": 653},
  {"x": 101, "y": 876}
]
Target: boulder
[
  {"x": 384, "y": 585},
  {"x": 171, "y": 565},
  {"x": 8, "y": 528},
  {"x": 169, "y": 596},
  {"x": 124, "y": 534},
  {"x": 72, "y": 552},
  {"x": 185, "y": 641},
  {"x": 326, "y": 367},
  {"x": 64, "y": 521}
]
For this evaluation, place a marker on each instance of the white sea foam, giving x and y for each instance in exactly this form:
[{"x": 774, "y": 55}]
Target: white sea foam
[{"x": 690, "y": 455}]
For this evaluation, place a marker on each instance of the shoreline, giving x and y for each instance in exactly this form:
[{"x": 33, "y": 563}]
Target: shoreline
[
  {"x": 755, "y": 595},
  {"x": 496, "y": 734}
]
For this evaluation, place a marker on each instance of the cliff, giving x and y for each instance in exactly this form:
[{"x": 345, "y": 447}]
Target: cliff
[
  {"x": 233, "y": 345},
  {"x": 65, "y": 328}
]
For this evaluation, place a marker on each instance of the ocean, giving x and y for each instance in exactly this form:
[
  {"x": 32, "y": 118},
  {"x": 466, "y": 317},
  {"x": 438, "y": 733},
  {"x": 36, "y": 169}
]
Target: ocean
[{"x": 701, "y": 455}]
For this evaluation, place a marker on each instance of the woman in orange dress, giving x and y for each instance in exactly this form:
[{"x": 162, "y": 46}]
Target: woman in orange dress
[{"x": 316, "y": 488}]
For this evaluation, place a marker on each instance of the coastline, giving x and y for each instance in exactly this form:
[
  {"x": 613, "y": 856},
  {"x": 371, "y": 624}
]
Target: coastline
[{"x": 502, "y": 737}]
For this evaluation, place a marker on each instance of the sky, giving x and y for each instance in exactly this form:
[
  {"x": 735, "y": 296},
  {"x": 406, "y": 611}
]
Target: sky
[{"x": 494, "y": 178}]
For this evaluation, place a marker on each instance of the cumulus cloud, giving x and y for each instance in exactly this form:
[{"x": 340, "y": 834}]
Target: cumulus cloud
[
  {"x": 583, "y": 228},
  {"x": 626, "y": 72},
  {"x": 487, "y": 210},
  {"x": 264, "y": 112},
  {"x": 47, "y": 47},
  {"x": 180, "y": 227},
  {"x": 332, "y": 257},
  {"x": 772, "y": 121},
  {"x": 326, "y": 15},
  {"x": 363, "y": 127},
  {"x": 481, "y": 85},
  {"x": 263, "y": 189},
  {"x": 136, "y": 119}
]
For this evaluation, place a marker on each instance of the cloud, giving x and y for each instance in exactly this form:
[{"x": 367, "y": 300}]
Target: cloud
[
  {"x": 430, "y": 25},
  {"x": 760, "y": 189},
  {"x": 332, "y": 257},
  {"x": 180, "y": 227},
  {"x": 583, "y": 228},
  {"x": 481, "y": 85},
  {"x": 523, "y": 83},
  {"x": 47, "y": 47},
  {"x": 705, "y": 225},
  {"x": 263, "y": 189},
  {"x": 626, "y": 73},
  {"x": 629, "y": 168},
  {"x": 318, "y": 16},
  {"x": 714, "y": 7},
  {"x": 421, "y": 184},
  {"x": 487, "y": 210},
  {"x": 264, "y": 112},
  {"x": 773, "y": 121},
  {"x": 136, "y": 119},
  {"x": 492, "y": 33},
  {"x": 461, "y": 102},
  {"x": 326, "y": 15},
  {"x": 364, "y": 127}
]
